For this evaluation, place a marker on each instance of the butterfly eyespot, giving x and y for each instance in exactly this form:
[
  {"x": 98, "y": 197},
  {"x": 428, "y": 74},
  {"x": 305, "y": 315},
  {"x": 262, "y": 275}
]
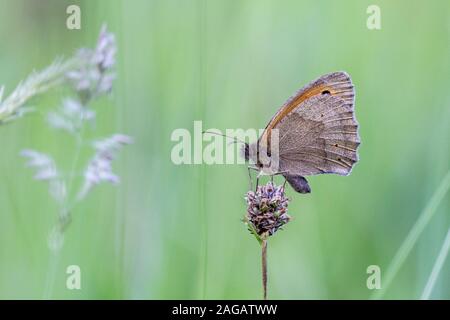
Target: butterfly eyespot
[
  {"x": 326, "y": 92},
  {"x": 321, "y": 115},
  {"x": 336, "y": 145},
  {"x": 339, "y": 159}
]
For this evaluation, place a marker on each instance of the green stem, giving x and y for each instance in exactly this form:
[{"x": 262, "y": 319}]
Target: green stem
[
  {"x": 51, "y": 274},
  {"x": 437, "y": 268},
  {"x": 63, "y": 221},
  {"x": 264, "y": 267},
  {"x": 413, "y": 235},
  {"x": 73, "y": 166}
]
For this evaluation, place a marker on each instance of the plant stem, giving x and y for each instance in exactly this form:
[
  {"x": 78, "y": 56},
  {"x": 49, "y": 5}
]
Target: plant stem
[
  {"x": 66, "y": 210},
  {"x": 437, "y": 268},
  {"x": 73, "y": 167},
  {"x": 51, "y": 274},
  {"x": 413, "y": 235},
  {"x": 264, "y": 267}
]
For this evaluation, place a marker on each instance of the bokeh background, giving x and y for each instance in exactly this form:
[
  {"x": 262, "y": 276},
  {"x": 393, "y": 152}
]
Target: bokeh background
[{"x": 172, "y": 231}]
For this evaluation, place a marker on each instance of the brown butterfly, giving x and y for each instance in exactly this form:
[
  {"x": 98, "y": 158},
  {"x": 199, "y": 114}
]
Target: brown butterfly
[{"x": 317, "y": 133}]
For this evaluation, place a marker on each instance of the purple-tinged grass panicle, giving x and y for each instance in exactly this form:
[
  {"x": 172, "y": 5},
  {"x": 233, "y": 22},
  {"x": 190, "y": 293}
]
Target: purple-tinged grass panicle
[
  {"x": 70, "y": 116},
  {"x": 95, "y": 77},
  {"x": 90, "y": 77},
  {"x": 99, "y": 168},
  {"x": 89, "y": 72},
  {"x": 46, "y": 170}
]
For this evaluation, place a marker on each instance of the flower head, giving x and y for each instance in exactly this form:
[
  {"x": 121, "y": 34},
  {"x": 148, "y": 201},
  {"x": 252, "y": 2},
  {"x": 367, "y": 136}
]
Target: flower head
[
  {"x": 70, "y": 116},
  {"x": 99, "y": 168},
  {"x": 95, "y": 76},
  {"x": 46, "y": 170},
  {"x": 266, "y": 210}
]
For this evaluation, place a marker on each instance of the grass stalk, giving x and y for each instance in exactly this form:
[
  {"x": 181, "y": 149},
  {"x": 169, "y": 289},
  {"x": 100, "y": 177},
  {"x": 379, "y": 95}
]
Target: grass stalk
[
  {"x": 55, "y": 254},
  {"x": 413, "y": 235},
  {"x": 52, "y": 271},
  {"x": 436, "y": 268}
]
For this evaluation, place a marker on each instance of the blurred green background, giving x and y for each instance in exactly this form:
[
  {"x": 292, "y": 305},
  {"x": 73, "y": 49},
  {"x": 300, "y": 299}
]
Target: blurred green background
[{"x": 172, "y": 231}]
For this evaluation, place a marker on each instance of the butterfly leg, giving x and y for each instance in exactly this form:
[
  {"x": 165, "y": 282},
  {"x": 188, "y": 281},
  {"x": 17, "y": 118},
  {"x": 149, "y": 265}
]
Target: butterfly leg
[
  {"x": 250, "y": 176},
  {"x": 257, "y": 181},
  {"x": 278, "y": 173}
]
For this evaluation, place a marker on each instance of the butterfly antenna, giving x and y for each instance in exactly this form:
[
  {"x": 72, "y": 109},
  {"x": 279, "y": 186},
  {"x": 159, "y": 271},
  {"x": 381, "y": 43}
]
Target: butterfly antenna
[{"x": 235, "y": 140}]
